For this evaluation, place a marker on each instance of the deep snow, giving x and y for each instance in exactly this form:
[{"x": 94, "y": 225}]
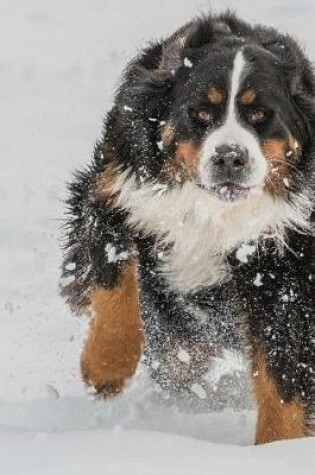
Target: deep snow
[{"x": 59, "y": 63}]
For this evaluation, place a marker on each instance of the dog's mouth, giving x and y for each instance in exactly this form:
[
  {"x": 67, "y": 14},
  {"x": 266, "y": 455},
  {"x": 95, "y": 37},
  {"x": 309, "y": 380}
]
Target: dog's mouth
[{"x": 230, "y": 192}]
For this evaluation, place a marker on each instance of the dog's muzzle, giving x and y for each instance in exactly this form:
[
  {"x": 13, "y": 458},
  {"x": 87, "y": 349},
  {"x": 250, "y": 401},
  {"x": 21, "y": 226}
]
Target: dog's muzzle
[{"x": 229, "y": 170}]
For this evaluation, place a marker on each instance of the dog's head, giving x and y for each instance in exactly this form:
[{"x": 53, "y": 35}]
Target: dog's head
[
  {"x": 224, "y": 105},
  {"x": 233, "y": 127}
]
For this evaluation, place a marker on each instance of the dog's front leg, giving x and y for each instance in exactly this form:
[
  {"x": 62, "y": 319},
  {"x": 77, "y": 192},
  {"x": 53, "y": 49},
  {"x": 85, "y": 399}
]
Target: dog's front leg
[
  {"x": 281, "y": 334},
  {"x": 277, "y": 419},
  {"x": 116, "y": 337}
]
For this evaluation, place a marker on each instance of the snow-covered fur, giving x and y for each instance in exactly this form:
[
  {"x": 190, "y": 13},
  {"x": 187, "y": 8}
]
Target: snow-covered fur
[{"x": 206, "y": 175}]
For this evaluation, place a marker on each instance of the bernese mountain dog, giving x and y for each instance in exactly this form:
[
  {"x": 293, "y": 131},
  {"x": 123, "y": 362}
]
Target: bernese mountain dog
[{"x": 193, "y": 227}]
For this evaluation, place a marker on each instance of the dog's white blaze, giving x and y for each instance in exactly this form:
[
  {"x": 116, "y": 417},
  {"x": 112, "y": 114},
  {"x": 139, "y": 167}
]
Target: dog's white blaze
[
  {"x": 232, "y": 132},
  {"x": 201, "y": 229},
  {"x": 236, "y": 80}
]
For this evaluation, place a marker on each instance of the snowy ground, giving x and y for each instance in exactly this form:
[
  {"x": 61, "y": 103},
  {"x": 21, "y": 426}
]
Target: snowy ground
[{"x": 59, "y": 63}]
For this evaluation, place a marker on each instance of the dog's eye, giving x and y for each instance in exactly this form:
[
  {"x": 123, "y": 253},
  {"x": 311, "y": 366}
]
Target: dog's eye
[
  {"x": 203, "y": 116},
  {"x": 257, "y": 116}
]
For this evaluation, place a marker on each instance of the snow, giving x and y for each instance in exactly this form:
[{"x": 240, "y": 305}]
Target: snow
[
  {"x": 199, "y": 391},
  {"x": 127, "y": 109},
  {"x": 160, "y": 145},
  {"x": 59, "y": 65},
  {"x": 112, "y": 255},
  {"x": 140, "y": 453},
  {"x": 258, "y": 280},
  {"x": 244, "y": 251},
  {"x": 183, "y": 356},
  {"x": 188, "y": 63}
]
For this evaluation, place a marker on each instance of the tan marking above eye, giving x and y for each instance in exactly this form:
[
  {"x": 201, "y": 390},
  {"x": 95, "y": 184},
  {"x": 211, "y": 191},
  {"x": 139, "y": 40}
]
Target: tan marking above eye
[
  {"x": 248, "y": 97},
  {"x": 215, "y": 96}
]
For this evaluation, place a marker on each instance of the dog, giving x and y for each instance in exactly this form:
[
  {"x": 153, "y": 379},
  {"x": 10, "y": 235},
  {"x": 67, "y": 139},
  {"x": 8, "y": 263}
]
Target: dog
[{"x": 193, "y": 227}]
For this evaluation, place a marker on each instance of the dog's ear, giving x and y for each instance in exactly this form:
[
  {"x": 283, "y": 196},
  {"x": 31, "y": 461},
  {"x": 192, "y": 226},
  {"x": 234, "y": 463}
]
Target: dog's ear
[
  {"x": 297, "y": 68},
  {"x": 157, "y": 65},
  {"x": 155, "y": 68},
  {"x": 192, "y": 36},
  {"x": 300, "y": 82},
  {"x": 172, "y": 55}
]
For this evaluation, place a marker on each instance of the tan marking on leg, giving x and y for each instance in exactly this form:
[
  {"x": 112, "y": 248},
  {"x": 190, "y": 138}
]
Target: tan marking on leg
[
  {"x": 248, "y": 97},
  {"x": 276, "y": 420},
  {"x": 215, "y": 96},
  {"x": 116, "y": 337}
]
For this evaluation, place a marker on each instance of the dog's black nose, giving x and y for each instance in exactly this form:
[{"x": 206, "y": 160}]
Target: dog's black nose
[{"x": 230, "y": 158}]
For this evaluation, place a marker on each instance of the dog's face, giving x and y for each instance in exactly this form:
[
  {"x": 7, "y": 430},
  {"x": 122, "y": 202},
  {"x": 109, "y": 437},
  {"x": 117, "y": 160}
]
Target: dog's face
[
  {"x": 233, "y": 114},
  {"x": 233, "y": 129}
]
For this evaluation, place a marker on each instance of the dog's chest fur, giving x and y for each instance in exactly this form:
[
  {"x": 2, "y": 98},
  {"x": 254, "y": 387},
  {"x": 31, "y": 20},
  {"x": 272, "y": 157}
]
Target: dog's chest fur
[{"x": 195, "y": 232}]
